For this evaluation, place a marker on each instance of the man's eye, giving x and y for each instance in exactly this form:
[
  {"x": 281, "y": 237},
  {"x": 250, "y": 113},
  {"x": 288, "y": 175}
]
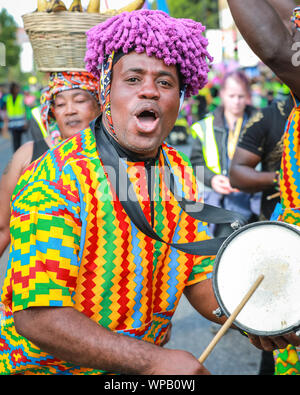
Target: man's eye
[
  {"x": 58, "y": 105},
  {"x": 132, "y": 79},
  {"x": 164, "y": 83}
]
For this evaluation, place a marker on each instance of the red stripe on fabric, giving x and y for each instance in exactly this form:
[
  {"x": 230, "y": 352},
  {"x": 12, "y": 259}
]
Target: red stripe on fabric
[
  {"x": 92, "y": 244},
  {"x": 149, "y": 258},
  {"x": 123, "y": 291},
  {"x": 43, "y": 267},
  {"x": 77, "y": 147}
]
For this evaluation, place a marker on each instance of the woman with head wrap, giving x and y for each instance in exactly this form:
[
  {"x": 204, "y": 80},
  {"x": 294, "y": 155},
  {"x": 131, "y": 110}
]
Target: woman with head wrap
[
  {"x": 68, "y": 105},
  {"x": 95, "y": 294}
]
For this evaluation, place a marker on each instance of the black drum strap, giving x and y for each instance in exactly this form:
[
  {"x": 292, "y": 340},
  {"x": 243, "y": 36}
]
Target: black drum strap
[{"x": 200, "y": 211}]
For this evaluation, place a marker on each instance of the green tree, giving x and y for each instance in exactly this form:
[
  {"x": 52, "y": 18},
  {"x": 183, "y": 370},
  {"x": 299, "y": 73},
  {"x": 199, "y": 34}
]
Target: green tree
[
  {"x": 8, "y": 30},
  {"x": 204, "y": 11}
]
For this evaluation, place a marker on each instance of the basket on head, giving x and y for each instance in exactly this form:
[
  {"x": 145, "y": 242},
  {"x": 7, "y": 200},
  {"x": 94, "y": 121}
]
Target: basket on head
[{"x": 59, "y": 39}]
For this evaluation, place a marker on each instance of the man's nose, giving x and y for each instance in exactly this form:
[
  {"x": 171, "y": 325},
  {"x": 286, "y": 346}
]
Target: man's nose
[
  {"x": 149, "y": 89},
  {"x": 70, "y": 108}
]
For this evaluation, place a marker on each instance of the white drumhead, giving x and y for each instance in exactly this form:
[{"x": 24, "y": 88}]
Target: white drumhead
[{"x": 267, "y": 248}]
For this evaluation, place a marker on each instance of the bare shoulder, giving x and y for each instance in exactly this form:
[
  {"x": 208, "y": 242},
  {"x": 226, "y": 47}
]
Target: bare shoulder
[
  {"x": 25, "y": 151},
  {"x": 20, "y": 159},
  {"x": 23, "y": 156}
]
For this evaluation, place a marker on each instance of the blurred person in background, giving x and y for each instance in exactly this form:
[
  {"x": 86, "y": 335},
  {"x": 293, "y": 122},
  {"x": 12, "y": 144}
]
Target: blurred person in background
[
  {"x": 15, "y": 114},
  {"x": 1, "y": 110},
  {"x": 261, "y": 144},
  {"x": 214, "y": 147}
]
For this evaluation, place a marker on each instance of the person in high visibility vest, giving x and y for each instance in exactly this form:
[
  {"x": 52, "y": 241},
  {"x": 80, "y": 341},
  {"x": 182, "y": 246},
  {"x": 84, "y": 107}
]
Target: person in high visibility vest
[
  {"x": 70, "y": 104},
  {"x": 15, "y": 114},
  {"x": 215, "y": 139}
]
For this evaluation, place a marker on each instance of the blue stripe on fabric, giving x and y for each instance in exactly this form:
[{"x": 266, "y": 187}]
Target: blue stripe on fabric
[
  {"x": 173, "y": 272},
  {"x": 136, "y": 251},
  {"x": 43, "y": 247}
]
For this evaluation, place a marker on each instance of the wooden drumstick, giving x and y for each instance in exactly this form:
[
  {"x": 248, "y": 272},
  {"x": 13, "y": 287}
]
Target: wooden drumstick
[
  {"x": 230, "y": 320},
  {"x": 275, "y": 195}
]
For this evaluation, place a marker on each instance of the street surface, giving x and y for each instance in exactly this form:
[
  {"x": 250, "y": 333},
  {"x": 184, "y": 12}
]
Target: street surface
[{"x": 233, "y": 355}]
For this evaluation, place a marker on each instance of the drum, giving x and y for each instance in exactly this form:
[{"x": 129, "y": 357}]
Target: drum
[{"x": 270, "y": 248}]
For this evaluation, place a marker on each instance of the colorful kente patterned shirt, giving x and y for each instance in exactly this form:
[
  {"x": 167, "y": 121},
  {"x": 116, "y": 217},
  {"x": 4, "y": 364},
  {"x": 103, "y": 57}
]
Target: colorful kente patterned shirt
[
  {"x": 287, "y": 361},
  {"x": 72, "y": 244}
]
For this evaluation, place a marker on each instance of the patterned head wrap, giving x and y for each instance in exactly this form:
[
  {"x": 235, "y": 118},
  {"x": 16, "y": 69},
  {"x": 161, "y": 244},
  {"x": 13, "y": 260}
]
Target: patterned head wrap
[
  {"x": 105, "y": 86},
  {"x": 59, "y": 82}
]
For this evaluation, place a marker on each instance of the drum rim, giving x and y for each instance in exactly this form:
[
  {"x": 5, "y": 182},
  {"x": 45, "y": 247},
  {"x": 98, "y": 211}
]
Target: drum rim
[{"x": 224, "y": 310}]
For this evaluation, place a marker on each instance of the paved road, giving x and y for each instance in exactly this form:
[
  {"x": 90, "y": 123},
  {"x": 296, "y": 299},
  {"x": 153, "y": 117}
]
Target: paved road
[{"x": 233, "y": 355}]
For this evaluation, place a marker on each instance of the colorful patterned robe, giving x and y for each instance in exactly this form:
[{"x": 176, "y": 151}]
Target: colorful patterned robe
[{"x": 74, "y": 245}]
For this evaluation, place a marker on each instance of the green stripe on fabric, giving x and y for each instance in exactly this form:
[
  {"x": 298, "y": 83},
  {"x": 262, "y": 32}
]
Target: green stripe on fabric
[
  {"x": 109, "y": 256},
  {"x": 40, "y": 289},
  {"x": 201, "y": 268}
]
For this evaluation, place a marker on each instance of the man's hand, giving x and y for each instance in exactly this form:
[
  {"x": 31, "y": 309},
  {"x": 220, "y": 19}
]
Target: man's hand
[
  {"x": 271, "y": 343},
  {"x": 221, "y": 184}
]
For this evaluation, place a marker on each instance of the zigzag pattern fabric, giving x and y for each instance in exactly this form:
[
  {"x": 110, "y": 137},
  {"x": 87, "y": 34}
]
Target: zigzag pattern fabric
[
  {"x": 288, "y": 360},
  {"x": 74, "y": 245},
  {"x": 290, "y": 169}
]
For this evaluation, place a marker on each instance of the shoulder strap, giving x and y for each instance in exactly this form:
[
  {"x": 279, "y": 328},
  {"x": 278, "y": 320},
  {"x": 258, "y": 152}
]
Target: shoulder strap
[
  {"x": 206, "y": 213},
  {"x": 39, "y": 148},
  {"x": 36, "y": 113}
]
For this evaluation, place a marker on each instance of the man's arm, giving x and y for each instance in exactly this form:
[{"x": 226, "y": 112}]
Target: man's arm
[
  {"x": 71, "y": 336},
  {"x": 244, "y": 176},
  {"x": 268, "y": 37}
]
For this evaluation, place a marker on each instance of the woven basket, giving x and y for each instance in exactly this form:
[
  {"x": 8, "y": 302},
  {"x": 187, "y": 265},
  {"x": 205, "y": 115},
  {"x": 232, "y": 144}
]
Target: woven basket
[{"x": 58, "y": 39}]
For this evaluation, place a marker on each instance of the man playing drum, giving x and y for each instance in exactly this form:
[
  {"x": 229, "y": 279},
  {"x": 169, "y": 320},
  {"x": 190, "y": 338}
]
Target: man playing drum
[
  {"x": 276, "y": 42},
  {"x": 88, "y": 292}
]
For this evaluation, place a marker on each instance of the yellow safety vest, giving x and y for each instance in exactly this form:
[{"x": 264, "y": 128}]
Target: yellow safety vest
[
  {"x": 15, "y": 109},
  {"x": 37, "y": 116},
  {"x": 205, "y": 131}
]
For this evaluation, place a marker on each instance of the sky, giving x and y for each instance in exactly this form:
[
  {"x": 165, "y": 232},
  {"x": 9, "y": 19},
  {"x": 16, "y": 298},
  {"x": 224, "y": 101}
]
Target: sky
[{"x": 17, "y": 8}]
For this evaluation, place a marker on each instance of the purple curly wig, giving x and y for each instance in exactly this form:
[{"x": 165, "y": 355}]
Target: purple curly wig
[{"x": 175, "y": 41}]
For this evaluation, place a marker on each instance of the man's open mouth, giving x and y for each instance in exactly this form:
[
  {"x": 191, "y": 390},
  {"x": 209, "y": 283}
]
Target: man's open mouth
[
  {"x": 147, "y": 120},
  {"x": 147, "y": 116}
]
